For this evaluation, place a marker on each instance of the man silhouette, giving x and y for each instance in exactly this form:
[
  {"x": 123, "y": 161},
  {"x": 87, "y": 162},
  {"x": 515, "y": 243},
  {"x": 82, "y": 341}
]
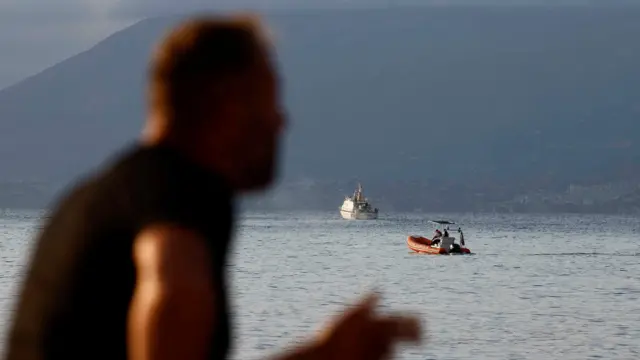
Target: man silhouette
[{"x": 131, "y": 264}]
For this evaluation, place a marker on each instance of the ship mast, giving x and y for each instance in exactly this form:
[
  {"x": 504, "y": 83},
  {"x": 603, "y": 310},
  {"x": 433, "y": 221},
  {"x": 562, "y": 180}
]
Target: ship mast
[{"x": 358, "y": 194}]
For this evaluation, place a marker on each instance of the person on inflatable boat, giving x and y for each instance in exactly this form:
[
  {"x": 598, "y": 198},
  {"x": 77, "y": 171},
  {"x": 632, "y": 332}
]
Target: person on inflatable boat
[
  {"x": 461, "y": 236},
  {"x": 436, "y": 237}
]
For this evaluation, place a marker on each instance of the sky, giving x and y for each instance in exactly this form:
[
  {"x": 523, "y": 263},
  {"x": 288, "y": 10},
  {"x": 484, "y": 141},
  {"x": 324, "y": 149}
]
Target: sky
[{"x": 35, "y": 34}]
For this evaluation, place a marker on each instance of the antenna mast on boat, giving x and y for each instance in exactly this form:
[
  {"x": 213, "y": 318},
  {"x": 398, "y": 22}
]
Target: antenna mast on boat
[{"x": 359, "y": 193}]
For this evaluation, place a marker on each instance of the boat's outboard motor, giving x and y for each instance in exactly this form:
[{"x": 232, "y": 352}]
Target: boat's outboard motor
[{"x": 455, "y": 248}]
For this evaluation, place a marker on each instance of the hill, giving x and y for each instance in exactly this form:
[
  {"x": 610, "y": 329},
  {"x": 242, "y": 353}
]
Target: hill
[{"x": 472, "y": 104}]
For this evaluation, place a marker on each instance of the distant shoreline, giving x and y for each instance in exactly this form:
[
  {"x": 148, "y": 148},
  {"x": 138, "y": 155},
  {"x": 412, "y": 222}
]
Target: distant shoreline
[{"x": 265, "y": 206}]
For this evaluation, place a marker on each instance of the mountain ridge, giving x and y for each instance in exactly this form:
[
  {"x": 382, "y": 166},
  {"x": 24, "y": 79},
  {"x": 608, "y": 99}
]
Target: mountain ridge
[{"x": 483, "y": 99}]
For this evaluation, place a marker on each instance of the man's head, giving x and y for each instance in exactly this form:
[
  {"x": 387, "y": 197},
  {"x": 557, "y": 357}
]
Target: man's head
[{"x": 214, "y": 92}]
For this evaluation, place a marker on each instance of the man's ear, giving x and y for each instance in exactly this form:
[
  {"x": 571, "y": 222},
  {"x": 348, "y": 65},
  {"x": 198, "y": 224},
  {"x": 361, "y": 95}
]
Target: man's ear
[{"x": 224, "y": 98}]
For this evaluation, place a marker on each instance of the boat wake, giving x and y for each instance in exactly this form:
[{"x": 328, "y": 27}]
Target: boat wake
[
  {"x": 586, "y": 254},
  {"x": 577, "y": 254}
]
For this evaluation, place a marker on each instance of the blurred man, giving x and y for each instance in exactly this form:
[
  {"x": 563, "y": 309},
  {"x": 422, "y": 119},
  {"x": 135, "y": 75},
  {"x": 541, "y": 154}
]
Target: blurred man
[{"x": 132, "y": 261}]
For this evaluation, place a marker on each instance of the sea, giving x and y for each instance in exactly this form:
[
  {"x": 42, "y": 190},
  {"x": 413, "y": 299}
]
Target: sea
[{"x": 535, "y": 287}]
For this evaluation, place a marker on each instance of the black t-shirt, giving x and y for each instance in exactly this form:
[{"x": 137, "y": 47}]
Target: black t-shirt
[{"x": 80, "y": 280}]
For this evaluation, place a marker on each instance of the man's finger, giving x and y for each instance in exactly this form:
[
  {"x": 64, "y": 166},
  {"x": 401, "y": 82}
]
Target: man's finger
[
  {"x": 357, "y": 316},
  {"x": 400, "y": 328},
  {"x": 386, "y": 332},
  {"x": 364, "y": 308},
  {"x": 368, "y": 303}
]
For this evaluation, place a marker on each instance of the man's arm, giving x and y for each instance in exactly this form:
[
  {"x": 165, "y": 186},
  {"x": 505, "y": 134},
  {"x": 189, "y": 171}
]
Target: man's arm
[{"x": 172, "y": 312}]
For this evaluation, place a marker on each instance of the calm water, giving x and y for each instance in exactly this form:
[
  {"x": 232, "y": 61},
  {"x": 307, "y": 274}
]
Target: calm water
[{"x": 538, "y": 287}]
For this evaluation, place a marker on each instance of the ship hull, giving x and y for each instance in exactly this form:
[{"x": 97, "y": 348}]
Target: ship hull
[{"x": 358, "y": 215}]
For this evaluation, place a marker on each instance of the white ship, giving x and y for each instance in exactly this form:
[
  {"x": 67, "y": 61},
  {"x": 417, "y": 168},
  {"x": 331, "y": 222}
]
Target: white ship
[{"x": 357, "y": 207}]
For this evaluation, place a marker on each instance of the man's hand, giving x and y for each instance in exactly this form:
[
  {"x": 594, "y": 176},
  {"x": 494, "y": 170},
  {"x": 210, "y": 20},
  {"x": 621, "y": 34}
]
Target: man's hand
[{"x": 362, "y": 334}]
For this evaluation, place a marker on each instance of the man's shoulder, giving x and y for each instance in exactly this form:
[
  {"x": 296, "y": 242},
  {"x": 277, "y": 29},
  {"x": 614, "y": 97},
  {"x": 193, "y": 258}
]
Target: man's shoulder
[
  {"x": 148, "y": 183},
  {"x": 76, "y": 197},
  {"x": 160, "y": 182},
  {"x": 83, "y": 193}
]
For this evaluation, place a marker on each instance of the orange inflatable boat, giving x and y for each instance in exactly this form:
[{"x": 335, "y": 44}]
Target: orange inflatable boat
[
  {"x": 423, "y": 245},
  {"x": 444, "y": 245}
]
